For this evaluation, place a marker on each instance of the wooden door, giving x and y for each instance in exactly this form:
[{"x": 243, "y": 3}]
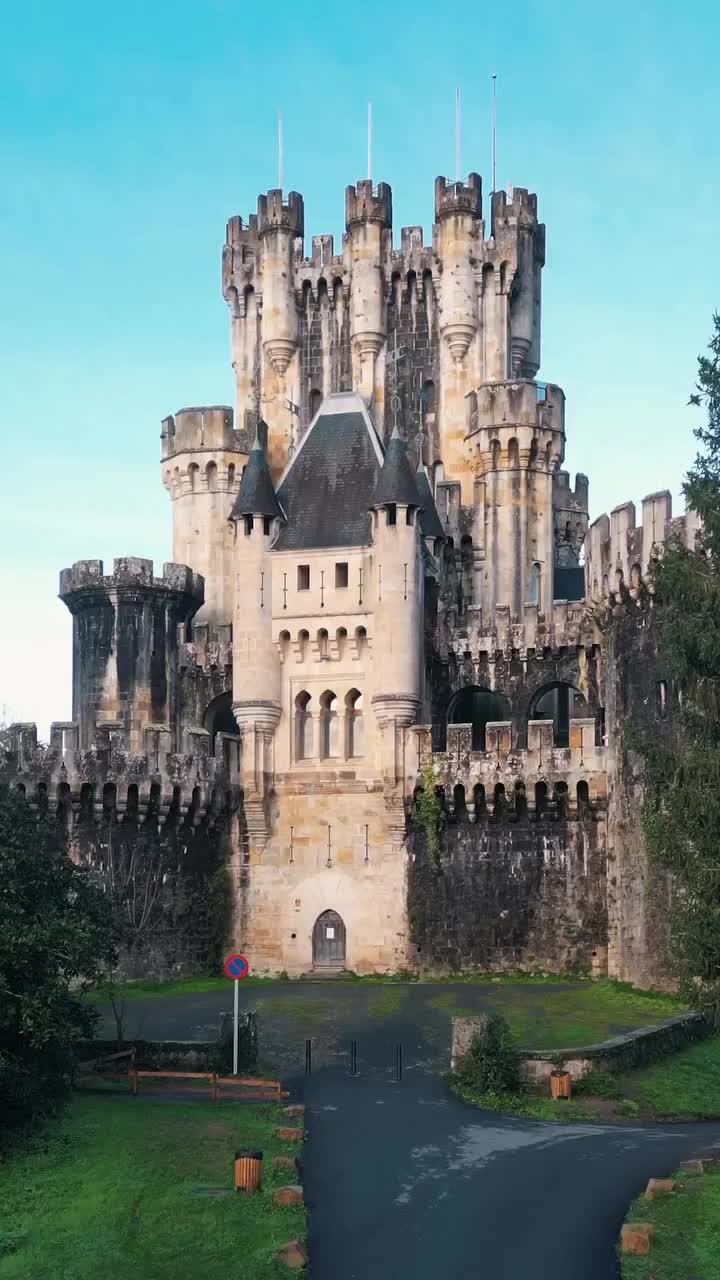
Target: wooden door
[{"x": 329, "y": 941}]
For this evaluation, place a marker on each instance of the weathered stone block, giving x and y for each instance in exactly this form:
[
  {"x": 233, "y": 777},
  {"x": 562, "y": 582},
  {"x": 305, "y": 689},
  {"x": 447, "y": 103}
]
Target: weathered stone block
[
  {"x": 288, "y": 1195},
  {"x": 659, "y": 1187},
  {"x": 293, "y": 1254},
  {"x": 636, "y": 1237},
  {"x": 290, "y": 1134}
]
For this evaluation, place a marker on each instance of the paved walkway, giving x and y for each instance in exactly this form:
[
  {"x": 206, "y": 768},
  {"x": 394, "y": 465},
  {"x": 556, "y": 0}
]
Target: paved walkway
[{"x": 405, "y": 1182}]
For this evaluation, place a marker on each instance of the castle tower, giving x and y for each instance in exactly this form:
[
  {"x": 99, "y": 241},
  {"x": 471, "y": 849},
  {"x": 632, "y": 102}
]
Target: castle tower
[
  {"x": 280, "y": 225},
  {"x": 256, "y": 664},
  {"x": 457, "y": 239},
  {"x": 202, "y": 461},
  {"x": 368, "y": 245},
  {"x": 125, "y": 636},
  {"x": 520, "y": 242},
  {"x": 517, "y": 446},
  {"x": 398, "y": 602}
]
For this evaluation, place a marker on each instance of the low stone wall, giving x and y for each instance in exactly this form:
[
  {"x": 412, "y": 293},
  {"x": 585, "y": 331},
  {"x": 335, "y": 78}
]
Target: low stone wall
[
  {"x": 186, "y": 1055},
  {"x": 620, "y": 1053}
]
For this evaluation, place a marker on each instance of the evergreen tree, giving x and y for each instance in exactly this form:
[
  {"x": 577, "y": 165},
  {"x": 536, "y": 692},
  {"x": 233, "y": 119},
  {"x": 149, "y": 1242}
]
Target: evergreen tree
[
  {"x": 56, "y": 933},
  {"x": 681, "y": 815}
]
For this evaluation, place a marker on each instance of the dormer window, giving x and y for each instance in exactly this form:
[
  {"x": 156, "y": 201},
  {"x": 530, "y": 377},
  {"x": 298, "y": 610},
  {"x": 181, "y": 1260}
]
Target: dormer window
[
  {"x": 391, "y": 516},
  {"x": 248, "y": 521}
]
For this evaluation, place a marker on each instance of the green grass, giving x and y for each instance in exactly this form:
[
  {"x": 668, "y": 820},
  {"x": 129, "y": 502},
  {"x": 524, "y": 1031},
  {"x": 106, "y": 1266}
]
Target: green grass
[
  {"x": 683, "y": 1087},
  {"x": 686, "y": 1245},
  {"x": 144, "y": 990},
  {"x": 106, "y": 1192},
  {"x": 386, "y": 1001}
]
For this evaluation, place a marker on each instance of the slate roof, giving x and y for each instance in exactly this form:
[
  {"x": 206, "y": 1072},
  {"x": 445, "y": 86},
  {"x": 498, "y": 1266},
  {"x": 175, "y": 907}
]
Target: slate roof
[
  {"x": 326, "y": 490},
  {"x": 395, "y": 482},
  {"x": 256, "y": 495},
  {"x": 430, "y": 522}
]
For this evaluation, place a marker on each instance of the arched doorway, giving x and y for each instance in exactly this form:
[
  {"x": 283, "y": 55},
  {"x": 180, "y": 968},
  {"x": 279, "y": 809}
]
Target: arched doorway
[{"x": 328, "y": 941}]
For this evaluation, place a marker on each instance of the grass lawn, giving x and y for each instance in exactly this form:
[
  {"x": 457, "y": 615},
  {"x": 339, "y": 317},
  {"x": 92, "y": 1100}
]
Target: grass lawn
[
  {"x": 686, "y": 1245},
  {"x": 566, "y": 1016},
  {"x": 107, "y": 1191},
  {"x": 685, "y": 1086}
]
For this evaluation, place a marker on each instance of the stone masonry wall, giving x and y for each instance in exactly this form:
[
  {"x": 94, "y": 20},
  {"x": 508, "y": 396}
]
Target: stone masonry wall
[{"x": 525, "y": 894}]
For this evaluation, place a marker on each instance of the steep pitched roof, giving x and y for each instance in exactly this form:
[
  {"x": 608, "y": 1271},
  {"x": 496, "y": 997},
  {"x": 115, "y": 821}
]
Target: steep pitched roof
[
  {"x": 256, "y": 496},
  {"x": 395, "y": 482},
  {"x": 327, "y": 487},
  {"x": 430, "y": 522}
]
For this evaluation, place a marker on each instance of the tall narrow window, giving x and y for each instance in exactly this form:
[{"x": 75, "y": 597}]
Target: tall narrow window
[
  {"x": 329, "y": 726},
  {"x": 341, "y": 574},
  {"x": 303, "y": 577},
  {"x": 354, "y": 725},
  {"x": 535, "y": 584},
  {"x": 303, "y": 727}
]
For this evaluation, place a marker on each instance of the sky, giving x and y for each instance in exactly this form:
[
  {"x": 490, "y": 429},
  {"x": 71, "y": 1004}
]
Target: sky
[{"x": 130, "y": 133}]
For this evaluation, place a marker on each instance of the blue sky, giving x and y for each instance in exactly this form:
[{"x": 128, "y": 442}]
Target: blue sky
[{"x": 129, "y": 134}]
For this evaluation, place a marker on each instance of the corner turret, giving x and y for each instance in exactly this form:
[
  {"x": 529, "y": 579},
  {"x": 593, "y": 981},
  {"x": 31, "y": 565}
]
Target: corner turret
[{"x": 368, "y": 246}]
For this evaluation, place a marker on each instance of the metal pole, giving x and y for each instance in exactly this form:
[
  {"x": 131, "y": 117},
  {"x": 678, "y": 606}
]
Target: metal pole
[
  {"x": 457, "y": 135},
  {"x": 370, "y": 140},
  {"x": 280, "y": 150},
  {"x": 236, "y": 1009},
  {"x": 494, "y": 133},
  {"x": 308, "y": 1057},
  {"x": 398, "y": 1062}
]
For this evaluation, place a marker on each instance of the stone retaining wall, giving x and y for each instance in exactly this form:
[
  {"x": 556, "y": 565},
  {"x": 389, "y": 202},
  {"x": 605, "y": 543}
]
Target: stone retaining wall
[{"x": 620, "y": 1053}]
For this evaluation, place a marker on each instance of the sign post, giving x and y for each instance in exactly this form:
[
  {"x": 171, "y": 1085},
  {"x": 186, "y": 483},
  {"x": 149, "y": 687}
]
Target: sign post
[{"x": 236, "y": 967}]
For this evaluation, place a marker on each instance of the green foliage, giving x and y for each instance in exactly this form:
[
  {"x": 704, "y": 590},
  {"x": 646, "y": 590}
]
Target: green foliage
[
  {"x": 111, "y": 1192},
  {"x": 491, "y": 1062},
  {"x": 429, "y": 814},
  {"x": 56, "y": 932},
  {"x": 681, "y": 814},
  {"x": 686, "y": 1244}
]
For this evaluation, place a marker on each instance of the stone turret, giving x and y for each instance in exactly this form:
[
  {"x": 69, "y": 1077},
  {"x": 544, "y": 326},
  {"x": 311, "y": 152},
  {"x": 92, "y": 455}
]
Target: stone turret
[
  {"x": 202, "y": 461},
  {"x": 399, "y": 599},
  {"x": 368, "y": 242},
  {"x": 125, "y": 637}
]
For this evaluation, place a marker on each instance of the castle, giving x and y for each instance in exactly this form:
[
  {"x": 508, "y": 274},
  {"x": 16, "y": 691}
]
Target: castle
[{"x": 379, "y": 566}]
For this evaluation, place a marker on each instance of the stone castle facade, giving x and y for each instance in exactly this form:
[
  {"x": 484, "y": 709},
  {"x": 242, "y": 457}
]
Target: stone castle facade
[{"x": 379, "y": 566}]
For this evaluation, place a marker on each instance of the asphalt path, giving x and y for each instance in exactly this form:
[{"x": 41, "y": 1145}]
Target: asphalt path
[{"x": 405, "y": 1182}]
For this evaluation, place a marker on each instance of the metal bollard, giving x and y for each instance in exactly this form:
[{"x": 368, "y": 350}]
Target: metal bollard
[
  {"x": 353, "y": 1057},
  {"x": 398, "y": 1062},
  {"x": 308, "y": 1057}
]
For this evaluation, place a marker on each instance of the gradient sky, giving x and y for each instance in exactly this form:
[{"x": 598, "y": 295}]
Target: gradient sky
[{"x": 130, "y": 133}]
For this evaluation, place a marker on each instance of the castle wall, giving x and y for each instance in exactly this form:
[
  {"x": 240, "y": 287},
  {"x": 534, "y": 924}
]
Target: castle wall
[{"x": 511, "y": 894}]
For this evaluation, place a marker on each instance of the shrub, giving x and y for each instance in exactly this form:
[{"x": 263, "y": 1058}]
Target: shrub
[{"x": 491, "y": 1062}]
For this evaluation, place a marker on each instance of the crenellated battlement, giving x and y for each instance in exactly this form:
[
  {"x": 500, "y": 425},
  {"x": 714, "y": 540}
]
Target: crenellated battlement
[
  {"x": 205, "y": 429},
  {"x": 452, "y": 198},
  {"x": 108, "y": 779},
  {"x": 276, "y": 214},
  {"x": 515, "y": 423},
  {"x": 365, "y": 203},
  {"x": 515, "y": 208},
  {"x": 566, "y": 626},
  {"x": 209, "y": 649},
  {"x": 83, "y": 582},
  {"x": 618, "y": 550},
  {"x": 506, "y": 780}
]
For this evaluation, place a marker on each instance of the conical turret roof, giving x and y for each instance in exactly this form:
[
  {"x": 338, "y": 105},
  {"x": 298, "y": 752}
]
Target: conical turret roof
[
  {"x": 256, "y": 496},
  {"x": 430, "y": 522},
  {"x": 395, "y": 482}
]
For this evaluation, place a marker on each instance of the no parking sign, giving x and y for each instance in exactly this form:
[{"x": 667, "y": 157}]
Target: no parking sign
[{"x": 237, "y": 966}]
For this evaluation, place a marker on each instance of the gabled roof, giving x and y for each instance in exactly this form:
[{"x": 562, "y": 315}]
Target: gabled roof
[
  {"x": 326, "y": 488},
  {"x": 256, "y": 496},
  {"x": 430, "y": 522},
  {"x": 395, "y": 482}
]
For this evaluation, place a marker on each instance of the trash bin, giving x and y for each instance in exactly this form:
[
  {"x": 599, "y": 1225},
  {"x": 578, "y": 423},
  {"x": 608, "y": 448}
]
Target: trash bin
[{"x": 248, "y": 1171}]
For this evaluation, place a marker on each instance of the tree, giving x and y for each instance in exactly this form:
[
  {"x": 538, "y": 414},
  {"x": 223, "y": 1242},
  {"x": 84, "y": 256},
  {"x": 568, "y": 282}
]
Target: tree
[
  {"x": 681, "y": 814},
  {"x": 57, "y": 934}
]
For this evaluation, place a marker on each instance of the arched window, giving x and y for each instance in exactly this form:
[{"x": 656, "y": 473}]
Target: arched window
[
  {"x": 540, "y": 799},
  {"x": 499, "y": 802},
  {"x": 329, "y": 726},
  {"x": 211, "y": 476},
  {"x": 64, "y": 805},
  {"x": 284, "y": 643},
  {"x": 559, "y": 702},
  {"x": 459, "y": 804},
  {"x": 354, "y": 724},
  {"x": 520, "y": 800},
  {"x": 534, "y": 594},
  {"x": 341, "y": 641},
  {"x": 476, "y": 706},
  {"x": 561, "y": 799},
  {"x": 583, "y": 799},
  {"x": 193, "y": 470},
  {"x": 322, "y": 640},
  {"x": 304, "y": 747},
  {"x": 361, "y": 640},
  {"x": 303, "y": 639},
  {"x": 513, "y": 453},
  {"x": 219, "y": 718},
  {"x": 315, "y": 402},
  {"x": 479, "y": 800}
]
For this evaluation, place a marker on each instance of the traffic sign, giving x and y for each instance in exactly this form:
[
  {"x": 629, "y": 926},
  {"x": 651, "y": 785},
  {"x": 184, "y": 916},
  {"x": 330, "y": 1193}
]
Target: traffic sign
[{"x": 237, "y": 966}]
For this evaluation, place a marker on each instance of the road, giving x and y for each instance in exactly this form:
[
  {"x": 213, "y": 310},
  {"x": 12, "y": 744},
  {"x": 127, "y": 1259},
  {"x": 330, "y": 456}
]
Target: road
[{"x": 405, "y": 1182}]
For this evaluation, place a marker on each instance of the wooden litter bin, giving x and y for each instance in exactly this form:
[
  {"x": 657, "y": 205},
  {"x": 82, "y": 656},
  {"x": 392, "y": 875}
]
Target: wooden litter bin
[{"x": 248, "y": 1171}]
